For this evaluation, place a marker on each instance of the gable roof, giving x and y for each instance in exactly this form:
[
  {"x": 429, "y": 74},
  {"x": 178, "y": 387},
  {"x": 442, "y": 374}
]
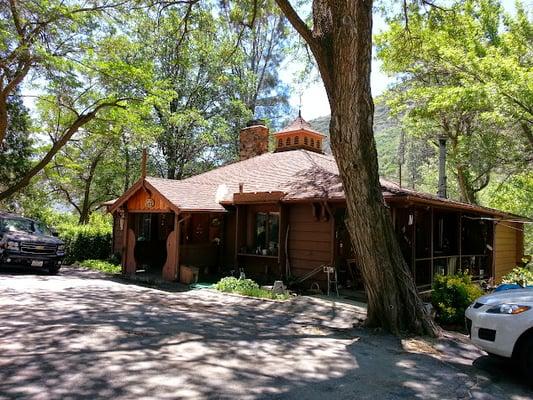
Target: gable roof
[{"x": 299, "y": 174}]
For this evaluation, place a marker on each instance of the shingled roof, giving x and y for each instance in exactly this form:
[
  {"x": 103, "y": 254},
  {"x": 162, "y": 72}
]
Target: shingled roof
[
  {"x": 298, "y": 174},
  {"x": 299, "y": 124}
]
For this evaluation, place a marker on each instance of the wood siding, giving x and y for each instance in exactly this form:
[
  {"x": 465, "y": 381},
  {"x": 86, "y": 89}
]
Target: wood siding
[
  {"x": 508, "y": 248},
  {"x": 138, "y": 202},
  {"x": 309, "y": 242}
]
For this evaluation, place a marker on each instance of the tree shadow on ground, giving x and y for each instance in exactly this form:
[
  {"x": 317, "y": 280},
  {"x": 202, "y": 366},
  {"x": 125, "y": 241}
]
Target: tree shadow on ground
[{"x": 74, "y": 337}]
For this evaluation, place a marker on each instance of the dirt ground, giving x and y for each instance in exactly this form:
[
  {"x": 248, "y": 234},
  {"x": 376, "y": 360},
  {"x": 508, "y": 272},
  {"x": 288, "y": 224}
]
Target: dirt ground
[{"x": 83, "y": 335}]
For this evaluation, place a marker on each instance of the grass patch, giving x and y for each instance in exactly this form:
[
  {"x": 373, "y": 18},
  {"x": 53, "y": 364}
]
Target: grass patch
[
  {"x": 102, "y": 266},
  {"x": 247, "y": 287}
]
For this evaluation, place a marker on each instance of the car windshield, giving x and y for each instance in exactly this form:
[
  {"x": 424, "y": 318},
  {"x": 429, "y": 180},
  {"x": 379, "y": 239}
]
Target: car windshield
[{"x": 23, "y": 225}]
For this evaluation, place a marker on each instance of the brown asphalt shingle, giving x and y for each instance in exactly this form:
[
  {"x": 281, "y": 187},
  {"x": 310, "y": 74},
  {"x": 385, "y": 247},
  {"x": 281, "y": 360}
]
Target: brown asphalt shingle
[{"x": 300, "y": 174}]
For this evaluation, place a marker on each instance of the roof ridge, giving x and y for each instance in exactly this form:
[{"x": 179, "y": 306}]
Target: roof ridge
[
  {"x": 227, "y": 165},
  {"x": 180, "y": 180}
]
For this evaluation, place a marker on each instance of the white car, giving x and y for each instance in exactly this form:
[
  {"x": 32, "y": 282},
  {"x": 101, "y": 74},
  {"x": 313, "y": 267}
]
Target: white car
[{"x": 501, "y": 323}]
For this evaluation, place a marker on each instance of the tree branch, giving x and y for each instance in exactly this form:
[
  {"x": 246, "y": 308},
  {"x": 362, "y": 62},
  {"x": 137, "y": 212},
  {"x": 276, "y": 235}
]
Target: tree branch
[
  {"x": 298, "y": 24},
  {"x": 77, "y": 124}
]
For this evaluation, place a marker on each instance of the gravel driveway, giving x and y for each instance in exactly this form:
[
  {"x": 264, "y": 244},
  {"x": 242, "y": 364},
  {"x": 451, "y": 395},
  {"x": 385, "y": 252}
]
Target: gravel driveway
[{"x": 82, "y": 335}]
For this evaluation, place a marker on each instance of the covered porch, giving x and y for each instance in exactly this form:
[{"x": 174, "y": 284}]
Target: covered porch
[{"x": 157, "y": 240}]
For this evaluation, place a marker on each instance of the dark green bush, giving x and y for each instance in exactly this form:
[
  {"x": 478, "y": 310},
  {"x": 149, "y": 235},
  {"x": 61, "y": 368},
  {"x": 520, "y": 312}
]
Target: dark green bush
[{"x": 451, "y": 295}]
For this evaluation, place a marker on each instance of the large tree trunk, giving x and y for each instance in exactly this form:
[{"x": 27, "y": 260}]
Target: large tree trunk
[
  {"x": 468, "y": 194},
  {"x": 85, "y": 212},
  {"x": 342, "y": 45}
]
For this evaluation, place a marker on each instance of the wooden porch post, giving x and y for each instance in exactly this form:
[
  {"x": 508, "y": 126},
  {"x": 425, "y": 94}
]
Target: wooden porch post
[
  {"x": 432, "y": 245},
  {"x": 460, "y": 238},
  {"x": 237, "y": 235},
  {"x": 130, "y": 265},
  {"x": 283, "y": 223},
  {"x": 413, "y": 241},
  {"x": 170, "y": 269},
  {"x": 124, "y": 249}
]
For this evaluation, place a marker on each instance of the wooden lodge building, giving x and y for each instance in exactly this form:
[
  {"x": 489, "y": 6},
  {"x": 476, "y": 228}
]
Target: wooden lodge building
[{"x": 280, "y": 215}]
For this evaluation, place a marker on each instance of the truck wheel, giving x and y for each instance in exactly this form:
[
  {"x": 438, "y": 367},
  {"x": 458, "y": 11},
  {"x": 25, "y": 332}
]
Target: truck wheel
[
  {"x": 54, "y": 269},
  {"x": 525, "y": 357}
]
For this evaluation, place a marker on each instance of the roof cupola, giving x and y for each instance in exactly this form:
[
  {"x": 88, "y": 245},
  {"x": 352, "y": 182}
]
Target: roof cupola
[{"x": 299, "y": 135}]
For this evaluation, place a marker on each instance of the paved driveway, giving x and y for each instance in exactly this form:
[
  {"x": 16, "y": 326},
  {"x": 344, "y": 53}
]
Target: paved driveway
[{"x": 80, "y": 335}]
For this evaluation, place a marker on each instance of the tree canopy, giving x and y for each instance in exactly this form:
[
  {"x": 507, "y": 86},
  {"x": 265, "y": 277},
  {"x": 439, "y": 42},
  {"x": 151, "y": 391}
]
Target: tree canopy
[{"x": 465, "y": 73}]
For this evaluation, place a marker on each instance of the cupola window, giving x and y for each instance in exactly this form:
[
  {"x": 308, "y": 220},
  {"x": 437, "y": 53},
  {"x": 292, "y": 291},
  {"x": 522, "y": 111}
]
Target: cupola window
[{"x": 299, "y": 134}]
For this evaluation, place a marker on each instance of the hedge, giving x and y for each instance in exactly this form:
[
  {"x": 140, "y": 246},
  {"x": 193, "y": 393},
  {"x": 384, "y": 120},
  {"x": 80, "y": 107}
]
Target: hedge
[{"x": 87, "y": 242}]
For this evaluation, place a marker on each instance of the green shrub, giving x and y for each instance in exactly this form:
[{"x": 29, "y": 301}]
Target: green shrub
[
  {"x": 520, "y": 275},
  {"x": 246, "y": 287},
  {"x": 232, "y": 284},
  {"x": 102, "y": 266},
  {"x": 451, "y": 295},
  {"x": 84, "y": 242}
]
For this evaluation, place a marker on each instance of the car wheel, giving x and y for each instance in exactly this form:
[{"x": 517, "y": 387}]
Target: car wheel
[
  {"x": 525, "y": 357},
  {"x": 54, "y": 269}
]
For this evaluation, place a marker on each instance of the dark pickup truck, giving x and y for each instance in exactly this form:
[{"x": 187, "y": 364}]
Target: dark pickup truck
[{"x": 29, "y": 243}]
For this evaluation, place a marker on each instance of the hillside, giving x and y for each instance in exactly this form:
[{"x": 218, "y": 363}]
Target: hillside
[{"x": 387, "y": 135}]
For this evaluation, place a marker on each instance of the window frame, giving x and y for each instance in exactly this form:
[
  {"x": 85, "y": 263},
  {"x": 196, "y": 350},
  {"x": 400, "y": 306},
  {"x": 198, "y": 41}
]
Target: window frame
[{"x": 259, "y": 247}]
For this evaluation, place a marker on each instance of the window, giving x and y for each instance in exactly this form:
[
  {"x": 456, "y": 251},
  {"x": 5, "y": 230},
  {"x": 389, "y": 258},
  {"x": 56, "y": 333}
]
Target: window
[
  {"x": 280, "y": 143},
  {"x": 318, "y": 144},
  {"x": 23, "y": 225},
  {"x": 297, "y": 140},
  {"x": 267, "y": 233},
  {"x": 305, "y": 140},
  {"x": 312, "y": 142},
  {"x": 288, "y": 141}
]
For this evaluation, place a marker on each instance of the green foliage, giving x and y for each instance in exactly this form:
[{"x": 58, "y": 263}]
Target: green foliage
[
  {"x": 83, "y": 242},
  {"x": 16, "y": 150},
  {"x": 85, "y": 173},
  {"x": 102, "y": 266},
  {"x": 464, "y": 74},
  {"x": 232, "y": 284},
  {"x": 520, "y": 275},
  {"x": 451, "y": 295},
  {"x": 246, "y": 287},
  {"x": 206, "y": 70},
  {"x": 513, "y": 194},
  {"x": 387, "y": 133}
]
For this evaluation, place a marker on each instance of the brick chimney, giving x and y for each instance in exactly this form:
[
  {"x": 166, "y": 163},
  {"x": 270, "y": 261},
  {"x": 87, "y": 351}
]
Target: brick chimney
[{"x": 253, "y": 139}]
